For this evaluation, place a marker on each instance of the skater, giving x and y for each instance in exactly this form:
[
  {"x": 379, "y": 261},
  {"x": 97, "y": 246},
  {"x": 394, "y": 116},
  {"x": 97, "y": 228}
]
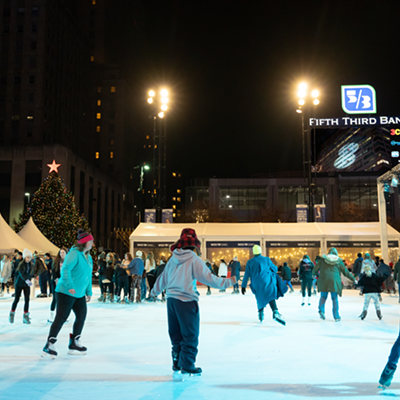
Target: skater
[
  {"x": 45, "y": 276},
  {"x": 73, "y": 290},
  {"x": 396, "y": 275},
  {"x": 357, "y": 266},
  {"x": 286, "y": 274},
  {"x": 263, "y": 275},
  {"x": 5, "y": 274},
  {"x": 372, "y": 284},
  {"x": 306, "y": 278},
  {"x": 55, "y": 276},
  {"x": 184, "y": 268},
  {"x": 136, "y": 268},
  {"x": 23, "y": 282},
  {"x": 148, "y": 266},
  {"x": 222, "y": 271},
  {"x": 102, "y": 265},
  {"x": 330, "y": 266},
  {"x": 108, "y": 279},
  {"x": 234, "y": 266},
  {"x": 368, "y": 261},
  {"x": 122, "y": 279},
  {"x": 14, "y": 265},
  {"x": 207, "y": 262}
]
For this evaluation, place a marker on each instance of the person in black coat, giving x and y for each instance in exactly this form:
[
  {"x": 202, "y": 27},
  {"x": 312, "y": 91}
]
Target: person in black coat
[
  {"x": 306, "y": 277},
  {"x": 372, "y": 286},
  {"x": 121, "y": 280},
  {"x": 211, "y": 268},
  {"x": 286, "y": 274},
  {"x": 102, "y": 265},
  {"x": 108, "y": 278},
  {"x": 23, "y": 282},
  {"x": 234, "y": 265}
]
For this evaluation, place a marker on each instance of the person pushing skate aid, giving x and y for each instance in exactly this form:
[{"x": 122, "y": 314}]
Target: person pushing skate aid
[
  {"x": 266, "y": 285},
  {"x": 179, "y": 279}
]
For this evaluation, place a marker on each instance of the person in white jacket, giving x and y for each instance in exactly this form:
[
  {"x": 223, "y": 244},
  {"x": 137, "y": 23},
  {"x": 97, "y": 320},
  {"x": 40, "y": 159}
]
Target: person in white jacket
[
  {"x": 222, "y": 271},
  {"x": 184, "y": 268},
  {"x": 5, "y": 273}
]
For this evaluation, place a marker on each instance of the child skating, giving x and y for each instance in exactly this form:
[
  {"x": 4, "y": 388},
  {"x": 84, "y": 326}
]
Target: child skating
[{"x": 179, "y": 279}]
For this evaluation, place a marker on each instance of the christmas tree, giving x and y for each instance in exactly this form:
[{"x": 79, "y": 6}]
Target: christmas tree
[{"x": 54, "y": 212}]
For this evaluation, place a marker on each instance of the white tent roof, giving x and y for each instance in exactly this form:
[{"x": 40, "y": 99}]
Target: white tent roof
[
  {"x": 157, "y": 232},
  {"x": 31, "y": 233},
  {"x": 9, "y": 240}
]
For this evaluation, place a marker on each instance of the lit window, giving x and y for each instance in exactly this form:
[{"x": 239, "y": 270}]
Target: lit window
[
  {"x": 98, "y": 115},
  {"x": 29, "y": 117},
  {"x": 91, "y": 58},
  {"x": 99, "y": 89},
  {"x": 174, "y": 206},
  {"x": 155, "y": 146},
  {"x": 147, "y": 137},
  {"x": 173, "y": 174},
  {"x": 144, "y": 146},
  {"x": 93, "y": 2},
  {"x": 174, "y": 199},
  {"x": 111, "y": 154},
  {"x": 97, "y": 155},
  {"x": 178, "y": 191},
  {"x": 112, "y": 142},
  {"x": 99, "y": 102},
  {"x": 174, "y": 215},
  {"x": 113, "y": 89},
  {"x": 179, "y": 199},
  {"x": 98, "y": 128},
  {"x": 15, "y": 118}
]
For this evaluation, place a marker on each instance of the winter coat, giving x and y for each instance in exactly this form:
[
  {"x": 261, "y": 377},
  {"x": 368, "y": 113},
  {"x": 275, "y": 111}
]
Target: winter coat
[
  {"x": 396, "y": 274},
  {"x": 330, "y": 267},
  {"x": 384, "y": 269},
  {"x": 119, "y": 273},
  {"x": 149, "y": 265},
  {"x": 372, "y": 284},
  {"x": 222, "y": 270},
  {"x": 76, "y": 273},
  {"x": 357, "y": 266},
  {"x": 102, "y": 267},
  {"x": 263, "y": 274},
  {"x": 235, "y": 269},
  {"x": 136, "y": 266},
  {"x": 39, "y": 266},
  {"x": 25, "y": 271},
  {"x": 49, "y": 264},
  {"x": 181, "y": 273},
  {"x": 305, "y": 270},
  {"x": 56, "y": 270},
  {"x": 370, "y": 263},
  {"x": 5, "y": 271},
  {"x": 109, "y": 273},
  {"x": 286, "y": 273}
]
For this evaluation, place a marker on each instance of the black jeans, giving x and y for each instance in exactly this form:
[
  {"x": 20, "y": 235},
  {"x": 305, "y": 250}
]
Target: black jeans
[
  {"x": 3, "y": 285},
  {"x": 123, "y": 283},
  {"x": 54, "y": 301},
  {"x": 44, "y": 278},
  {"x": 18, "y": 291},
  {"x": 183, "y": 329},
  {"x": 66, "y": 304},
  {"x": 109, "y": 286},
  {"x": 306, "y": 284}
]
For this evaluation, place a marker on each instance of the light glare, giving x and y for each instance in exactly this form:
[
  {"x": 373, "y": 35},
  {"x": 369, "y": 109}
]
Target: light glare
[
  {"x": 150, "y": 100},
  {"x": 316, "y": 102},
  {"x": 152, "y": 93},
  {"x": 302, "y": 102},
  {"x": 161, "y": 114},
  {"x": 164, "y": 100},
  {"x": 164, "y": 92},
  {"x": 301, "y": 94},
  {"x": 303, "y": 86},
  {"x": 164, "y": 107},
  {"x": 299, "y": 111},
  {"x": 315, "y": 93}
]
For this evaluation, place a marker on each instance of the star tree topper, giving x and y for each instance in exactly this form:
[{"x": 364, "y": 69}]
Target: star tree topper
[{"x": 53, "y": 167}]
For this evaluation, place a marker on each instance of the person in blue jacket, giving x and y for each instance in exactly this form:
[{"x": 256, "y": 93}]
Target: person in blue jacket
[
  {"x": 263, "y": 275},
  {"x": 234, "y": 266},
  {"x": 73, "y": 290}
]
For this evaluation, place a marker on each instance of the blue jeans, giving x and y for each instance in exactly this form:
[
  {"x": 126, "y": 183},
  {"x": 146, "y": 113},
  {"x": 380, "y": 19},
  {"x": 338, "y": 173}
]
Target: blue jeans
[
  {"x": 288, "y": 283},
  {"x": 335, "y": 303},
  {"x": 394, "y": 354},
  {"x": 144, "y": 288},
  {"x": 236, "y": 286}
]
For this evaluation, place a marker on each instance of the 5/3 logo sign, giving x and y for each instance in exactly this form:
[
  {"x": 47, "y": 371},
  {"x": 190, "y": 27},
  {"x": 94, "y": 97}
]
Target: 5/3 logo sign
[
  {"x": 395, "y": 132},
  {"x": 358, "y": 99}
]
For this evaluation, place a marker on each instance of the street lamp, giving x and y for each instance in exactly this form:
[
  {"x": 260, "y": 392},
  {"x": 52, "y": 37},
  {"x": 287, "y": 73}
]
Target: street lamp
[
  {"x": 143, "y": 168},
  {"x": 29, "y": 197},
  {"x": 304, "y": 100}
]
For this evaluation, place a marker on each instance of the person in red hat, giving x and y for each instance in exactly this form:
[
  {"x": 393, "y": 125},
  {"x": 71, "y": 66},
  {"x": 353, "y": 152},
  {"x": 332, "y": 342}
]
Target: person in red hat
[
  {"x": 73, "y": 290},
  {"x": 184, "y": 268}
]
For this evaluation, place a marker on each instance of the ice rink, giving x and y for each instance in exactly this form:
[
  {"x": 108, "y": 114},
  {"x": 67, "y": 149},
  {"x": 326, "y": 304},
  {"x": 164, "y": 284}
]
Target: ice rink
[{"x": 129, "y": 352}]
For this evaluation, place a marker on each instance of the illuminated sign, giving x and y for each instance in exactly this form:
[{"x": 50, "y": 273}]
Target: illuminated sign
[
  {"x": 395, "y": 132},
  {"x": 354, "y": 121},
  {"x": 358, "y": 99},
  {"x": 395, "y": 154},
  {"x": 346, "y": 156}
]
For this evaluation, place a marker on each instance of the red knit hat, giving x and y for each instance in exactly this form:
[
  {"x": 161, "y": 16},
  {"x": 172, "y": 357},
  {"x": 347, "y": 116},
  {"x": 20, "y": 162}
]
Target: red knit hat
[
  {"x": 84, "y": 237},
  {"x": 188, "y": 239}
]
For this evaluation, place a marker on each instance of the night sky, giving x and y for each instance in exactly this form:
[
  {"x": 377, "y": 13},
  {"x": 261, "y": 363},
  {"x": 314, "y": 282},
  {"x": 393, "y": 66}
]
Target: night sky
[{"x": 233, "y": 68}]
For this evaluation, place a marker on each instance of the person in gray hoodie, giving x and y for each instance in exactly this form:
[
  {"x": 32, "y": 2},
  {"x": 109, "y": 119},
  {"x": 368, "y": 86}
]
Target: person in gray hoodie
[{"x": 184, "y": 268}]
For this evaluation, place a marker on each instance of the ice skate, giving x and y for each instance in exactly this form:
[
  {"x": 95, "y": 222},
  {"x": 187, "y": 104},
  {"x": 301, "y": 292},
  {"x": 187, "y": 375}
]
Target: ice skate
[
  {"x": 26, "y": 319},
  {"x": 302, "y": 304},
  {"x": 75, "y": 347},
  {"x": 100, "y": 298},
  {"x": 278, "y": 317},
  {"x": 338, "y": 319},
  {"x": 49, "y": 350},
  {"x": 117, "y": 299},
  {"x": 209, "y": 292},
  {"x": 11, "y": 317},
  {"x": 321, "y": 315},
  {"x": 175, "y": 360},
  {"x": 2, "y": 293},
  {"x": 104, "y": 297},
  {"x": 261, "y": 315},
  {"x": 379, "y": 314},
  {"x": 291, "y": 291},
  {"x": 363, "y": 315},
  {"x": 386, "y": 377},
  {"x": 126, "y": 300},
  {"x": 190, "y": 372},
  {"x": 51, "y": 319}
]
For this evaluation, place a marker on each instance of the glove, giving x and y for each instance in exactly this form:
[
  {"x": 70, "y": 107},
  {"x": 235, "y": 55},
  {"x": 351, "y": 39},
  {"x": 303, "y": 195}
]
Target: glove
[
  {"x": 243, "y": 290},
  {"x": 28, "y": 282}
]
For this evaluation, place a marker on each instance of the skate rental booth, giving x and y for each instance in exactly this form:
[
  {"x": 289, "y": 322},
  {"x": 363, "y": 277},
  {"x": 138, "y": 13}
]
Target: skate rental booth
[{"x": 279, "y": 241}]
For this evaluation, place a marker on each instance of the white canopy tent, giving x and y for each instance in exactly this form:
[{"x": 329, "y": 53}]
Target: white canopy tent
[
  {"x": 31, "y": 233},
  {"x": 322, "y": 235},
  {"x": 9, "y": 240}
]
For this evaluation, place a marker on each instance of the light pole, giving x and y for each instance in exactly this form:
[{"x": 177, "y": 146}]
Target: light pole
[
  {"x": 304, "y": 99},
  {"x": 28, "y": 195},
  {"x": 159, "y": 101},
  {"x": 143, "y": 168}
]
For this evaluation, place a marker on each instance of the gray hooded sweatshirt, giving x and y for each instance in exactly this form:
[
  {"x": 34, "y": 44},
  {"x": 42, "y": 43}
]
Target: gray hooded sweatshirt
[{"x": 180, "y": 276}]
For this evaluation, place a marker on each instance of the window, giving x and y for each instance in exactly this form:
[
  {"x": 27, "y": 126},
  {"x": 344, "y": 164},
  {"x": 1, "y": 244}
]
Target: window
[
  {"x": 99, "y": 102},
  {"x": 179, "y": 199},
  {"x": 17, "y": 80},
  {"x": 174, "y": 199},
  {"x": 32, "y": 80},
  {"x": 93, "y": 2},
  {"x": 33, "y": 45},
  {"x": 34, "y": 28},
  {"x": 174, "y": 174},
  {"x": 99, "y": 89},
  {"x": 147, "y": 137},
  {"x": 29, "y": 117},
  {"x": 15, "y": 118},
  {"x": 113, "y": 89},
  {"x": 98, "y": 128},
  {"x": 111, "y": 154},
  {"x": 98, "y": 116},
  {"x": 32, "y": 62},
  {"x": 174, "y": 206},
  {"x": 111, "y": 115},
  {"x": 17, "y": 97},
  {"x": 91, "y": 58},
  {"x": 111, "y": 128},
  {"x": 31, "y": 97},
  {"x": 35, "y": 11},
  {"x": 178, "y": 191},
  {"x": 112, "y": 142},
  {"x": 97, "y": 155},
  {"x": 17, "y": 62}
]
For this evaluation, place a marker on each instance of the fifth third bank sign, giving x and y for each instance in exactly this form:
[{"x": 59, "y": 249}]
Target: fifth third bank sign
[{"x": 358, "y": 99}]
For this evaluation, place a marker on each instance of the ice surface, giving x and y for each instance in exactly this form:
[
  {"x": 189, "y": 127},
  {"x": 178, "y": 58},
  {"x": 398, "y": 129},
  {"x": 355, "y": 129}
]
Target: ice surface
[{"x": 129, "y": 352}]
